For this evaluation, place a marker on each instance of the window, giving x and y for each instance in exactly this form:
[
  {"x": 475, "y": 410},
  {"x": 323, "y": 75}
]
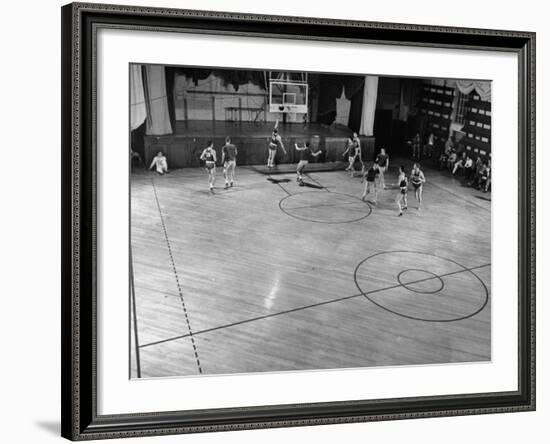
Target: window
[{"x": 461, "y": 109}]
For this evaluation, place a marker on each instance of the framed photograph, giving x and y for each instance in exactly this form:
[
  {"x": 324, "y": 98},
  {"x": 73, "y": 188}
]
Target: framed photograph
[{"x": 281, "y": 221}]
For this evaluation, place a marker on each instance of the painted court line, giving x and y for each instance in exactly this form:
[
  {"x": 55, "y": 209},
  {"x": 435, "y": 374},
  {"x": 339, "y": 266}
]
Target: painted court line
[{"x": 305, "y": 307}]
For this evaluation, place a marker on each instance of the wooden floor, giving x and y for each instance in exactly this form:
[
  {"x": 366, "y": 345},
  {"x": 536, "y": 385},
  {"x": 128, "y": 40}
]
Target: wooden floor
[{"x": 270, "y": 276}]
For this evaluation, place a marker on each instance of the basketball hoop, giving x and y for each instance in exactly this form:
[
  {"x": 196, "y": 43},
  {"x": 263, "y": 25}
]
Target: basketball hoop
[{"x": 288, "y": 97}]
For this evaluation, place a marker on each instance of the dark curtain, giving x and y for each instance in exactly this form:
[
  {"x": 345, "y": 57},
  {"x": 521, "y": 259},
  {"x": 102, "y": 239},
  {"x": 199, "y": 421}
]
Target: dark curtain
[
  {"x": 137, "y": 139},
  {"x": 170, "y": 74},
  {"x": 330, "y": 87}
]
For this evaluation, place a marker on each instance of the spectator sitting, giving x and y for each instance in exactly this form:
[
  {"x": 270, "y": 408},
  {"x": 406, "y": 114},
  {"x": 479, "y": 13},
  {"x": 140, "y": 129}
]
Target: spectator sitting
[
  {"x": 484, "y": 179},
  {"x": 135, "y": 158},
  {"x": 459, "y": 163},
  {"x": 429, "y": 147},
  {"x": 451, "y": 160},
  {"x": 443, "y": 159},
  {"x": 469, "y": 168},
  {"x": 449, "y": 145},
  {"x": 478, "y": 167}
]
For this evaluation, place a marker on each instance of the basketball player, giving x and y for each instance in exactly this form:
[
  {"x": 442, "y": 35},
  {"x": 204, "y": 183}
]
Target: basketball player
[
  {"x": 159, "y": 161},
  {"x": 350, "y": 151},
  {"x": 357, "y": 147},
  {"x": 229, "y": 161},
  {"x": 383, "y": 161},
  {"x": 369, "y": 178},
  {"x": 353, "y": 150},
  {"x": 417, "y": 180},
  {"x": 209, "y": 158},
  {"x": 274, "y": 143},
  {"x": 403, "y": 185},
  {"x": 305, "y": 153}
]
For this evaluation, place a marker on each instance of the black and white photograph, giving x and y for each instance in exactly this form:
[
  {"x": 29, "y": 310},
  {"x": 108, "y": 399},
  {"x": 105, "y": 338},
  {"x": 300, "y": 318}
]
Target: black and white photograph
[{"x": 298, "y": 221}]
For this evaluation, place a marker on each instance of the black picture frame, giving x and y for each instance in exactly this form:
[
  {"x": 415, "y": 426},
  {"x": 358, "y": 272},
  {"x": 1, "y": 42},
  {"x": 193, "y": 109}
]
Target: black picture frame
[{"x": 80, "y": 420}]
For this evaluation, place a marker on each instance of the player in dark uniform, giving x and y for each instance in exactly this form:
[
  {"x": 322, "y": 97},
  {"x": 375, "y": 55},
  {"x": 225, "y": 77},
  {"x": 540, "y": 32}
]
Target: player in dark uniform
[
  {"x": 417, "y": 180},
  {"x": 350, "y": 151},
  {"x": 403, "y": 185},
  {"x": 229, "y": 161},
  {"x": 383, "y": 164},
  {"x": 209, "y": 158},
  {"x": 369, "y": 178},
  {"x": 275, "y": 142},
  {"x": 305, "y": 154}
]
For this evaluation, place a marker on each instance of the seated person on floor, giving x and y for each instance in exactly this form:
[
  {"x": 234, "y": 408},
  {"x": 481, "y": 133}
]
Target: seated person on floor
[{"x": 160, "y": 162}]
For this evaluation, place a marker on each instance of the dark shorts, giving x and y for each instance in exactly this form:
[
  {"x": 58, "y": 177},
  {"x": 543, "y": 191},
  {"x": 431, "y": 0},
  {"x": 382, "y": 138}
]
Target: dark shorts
[
  {"x": 417, "y": 185},
  {"x": 209, "y": 165},
  {"x": 404, "y": 191}
]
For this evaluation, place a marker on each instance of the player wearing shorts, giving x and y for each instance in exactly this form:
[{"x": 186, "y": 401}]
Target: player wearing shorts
[
  {"x": 350, "y": 151},
  {"x": 160, "y": 163},
  {"x": 275, "y": 142},
  {"x": 357, "y": 150},
  {"x": 383, "y": 164},
  {"x": 369, "y": 178},
  {"x": 229, "y": 161},
  {"x": 417, "y": 180},
  {"x": 209, "y": 158},
  {"x": 305, "y": 153},
  {"x": 403, "y": 185}
]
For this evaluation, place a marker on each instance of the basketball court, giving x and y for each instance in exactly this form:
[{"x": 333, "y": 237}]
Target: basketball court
[{"x": 270, "y": 276}]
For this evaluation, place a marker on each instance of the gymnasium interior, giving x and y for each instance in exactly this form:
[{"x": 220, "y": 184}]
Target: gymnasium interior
[{"x": 273, "y": 275}]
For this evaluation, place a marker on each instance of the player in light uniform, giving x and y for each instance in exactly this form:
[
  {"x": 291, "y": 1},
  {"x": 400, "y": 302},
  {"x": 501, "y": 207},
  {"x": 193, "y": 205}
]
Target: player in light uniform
[
  {"x": 159, "y": 161},
  {"x": 209, "y": 158},
  {"x": 229, "y": 161},
  {"x": 274, "y": 143},
  {"x": 305, "y": 154},
  {"x": 417, "y": 180}
]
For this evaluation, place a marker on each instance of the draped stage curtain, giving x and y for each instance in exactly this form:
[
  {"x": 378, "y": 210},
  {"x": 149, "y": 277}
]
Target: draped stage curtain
[
  {"x": 343, "y": 106},
  {"x": 158, "y": 114},
  {"x": 481, "y": 87},
  {"x": 138, "y": 110},
  {"x": 370, "y": 94}
]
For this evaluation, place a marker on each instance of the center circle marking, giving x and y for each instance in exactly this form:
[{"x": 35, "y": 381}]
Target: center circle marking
[
  {"x": 484, "y": 296},
  {"x": 335, "y": 203},
  {"x": 408, "y": 283}
]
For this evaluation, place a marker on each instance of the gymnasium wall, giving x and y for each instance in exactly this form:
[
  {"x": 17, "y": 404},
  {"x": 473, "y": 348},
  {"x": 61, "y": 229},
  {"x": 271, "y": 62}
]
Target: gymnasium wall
[{"x": 184, "y": 152}]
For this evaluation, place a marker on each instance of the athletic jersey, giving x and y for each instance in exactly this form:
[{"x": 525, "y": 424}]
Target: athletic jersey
[
  {"x": 416, "y": 177},
  {"x": 305, "y": 154},
  {"x": 357, "y": 148},
  {"x": 403, "y": 184},
  {"x": 230, "y": 152},
  {"x": 382, "y": 160},
  {"x": 160, "y": 161},
  {"x": 371, "y": 174},
  {"x": 275, "y": 141},
  {"x": 350, "y": 148},
  {"x": 209, "y": 156}
]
